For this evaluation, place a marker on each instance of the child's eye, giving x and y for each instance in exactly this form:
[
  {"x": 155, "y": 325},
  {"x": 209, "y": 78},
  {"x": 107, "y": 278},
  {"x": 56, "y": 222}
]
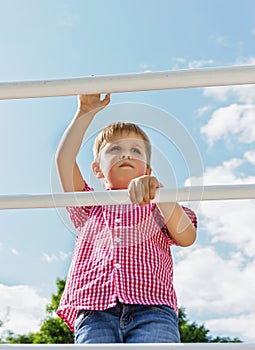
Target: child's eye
[
  {"x": 114, "y": 148},
  {"x": 136, "y": 150}
]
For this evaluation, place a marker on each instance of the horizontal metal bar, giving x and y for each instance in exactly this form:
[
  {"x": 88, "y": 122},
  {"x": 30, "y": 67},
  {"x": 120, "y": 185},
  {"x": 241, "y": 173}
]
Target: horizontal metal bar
[
  {"x": 188, "y": 78},
  {"x": 183, "y": 194},
  {"x": 178, "y": 346}
]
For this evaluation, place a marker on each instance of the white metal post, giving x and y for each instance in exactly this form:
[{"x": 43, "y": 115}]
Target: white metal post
[
  {"x": 179, "y": 346},
  {"x": 184, "y": 194},
  {"x": 189, "y": 78}
]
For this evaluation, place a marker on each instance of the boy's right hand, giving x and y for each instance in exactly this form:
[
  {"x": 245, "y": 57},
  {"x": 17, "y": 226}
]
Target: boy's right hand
[
  {"x": 89, "y": 103},
  {"x": 142, "y": 190}
]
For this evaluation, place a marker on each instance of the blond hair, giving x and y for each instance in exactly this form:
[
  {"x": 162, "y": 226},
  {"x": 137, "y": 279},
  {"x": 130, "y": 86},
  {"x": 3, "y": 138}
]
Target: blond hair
[{"x": 118, "y": 128}]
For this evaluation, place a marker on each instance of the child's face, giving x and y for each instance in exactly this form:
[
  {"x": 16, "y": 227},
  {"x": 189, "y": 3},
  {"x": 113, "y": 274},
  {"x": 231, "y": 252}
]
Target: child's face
[{"x": 121, "y": 160}]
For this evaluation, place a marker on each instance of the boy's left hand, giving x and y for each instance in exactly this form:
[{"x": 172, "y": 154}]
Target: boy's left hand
[{"x": 142, "y": 190}]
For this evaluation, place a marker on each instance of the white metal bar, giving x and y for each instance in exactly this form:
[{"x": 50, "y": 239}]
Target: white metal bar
[
  {"x": 189, "y": 78},
  {"x": 179, "y": 346},
  {"x": 183, "y": 194}
]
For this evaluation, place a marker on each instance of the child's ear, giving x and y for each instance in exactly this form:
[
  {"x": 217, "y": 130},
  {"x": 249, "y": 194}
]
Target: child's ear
[
  {"x": 96, "y": 170},
  {"x": 148, "y": 171}
]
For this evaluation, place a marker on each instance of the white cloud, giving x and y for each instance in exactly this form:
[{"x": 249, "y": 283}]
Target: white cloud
[
  {"x": 182, "y": 63},
  {"x": 207, "y": 283},
  {"x": 217, "y": 281},
  {"x": 231, "y": 120},
  {"x": 22, "y": 308},
  {"x": 241, "y": 93},
  {"x": 61, "y": 256},
  {"x": 228, "y": 221},
  {"x": 178, "y": 62},
  {"x": 226, "y": 173},
  {"x": 14, "y": 251},
  {"x": 218, "y": 285},
  {"x": 203, "y": 110},
  {"x": 200, "y": 63},
  {"x": 239, "y": 326},
  {"x": 147, "y": 67},
  {"x": 250, "y": 156},
  {"x": 4, "y": 247},
  {"x": 245, "y": 61}
]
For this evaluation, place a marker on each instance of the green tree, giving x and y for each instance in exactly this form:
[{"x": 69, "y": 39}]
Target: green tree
[
  {"x": 54, "y": 331},
  {"x": 55, "y": 298},
  {"x": 19, "y": 339},
  {"x": 193, "y": 333}
]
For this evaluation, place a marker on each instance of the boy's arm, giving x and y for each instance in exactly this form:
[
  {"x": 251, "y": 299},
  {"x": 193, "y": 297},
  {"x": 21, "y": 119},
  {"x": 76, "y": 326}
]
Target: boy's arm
[
  {"x": 142, "y": 190},
  {"x": 69, "y": 146},
  {"x": 178, "y": 223}
]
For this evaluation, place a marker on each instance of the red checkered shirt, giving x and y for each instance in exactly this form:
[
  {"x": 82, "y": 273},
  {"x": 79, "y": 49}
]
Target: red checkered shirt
[{"x": 121, "y": 251}]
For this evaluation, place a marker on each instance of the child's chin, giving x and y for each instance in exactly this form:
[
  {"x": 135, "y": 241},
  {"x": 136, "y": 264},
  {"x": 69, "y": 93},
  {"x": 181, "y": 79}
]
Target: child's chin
[{"x": 120, "y": 186}]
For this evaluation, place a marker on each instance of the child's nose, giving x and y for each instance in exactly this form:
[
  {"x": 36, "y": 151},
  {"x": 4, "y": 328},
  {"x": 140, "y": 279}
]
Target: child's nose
[{"x": 125, "y": 156}]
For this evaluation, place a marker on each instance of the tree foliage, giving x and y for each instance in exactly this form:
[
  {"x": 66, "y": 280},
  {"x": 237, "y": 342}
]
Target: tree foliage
[
  {"x": 54, "y": 331},
  {"x": 193, "y": 333}
]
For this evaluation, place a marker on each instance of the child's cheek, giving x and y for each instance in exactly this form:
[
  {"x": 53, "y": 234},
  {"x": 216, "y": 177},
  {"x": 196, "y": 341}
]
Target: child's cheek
[
  {"x": 142, "y": 164},
  {"x": 111, "y": 163}
]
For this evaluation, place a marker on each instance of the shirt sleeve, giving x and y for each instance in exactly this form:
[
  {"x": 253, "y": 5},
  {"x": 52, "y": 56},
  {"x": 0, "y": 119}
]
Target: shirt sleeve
[
  {"x": 161, "y": 223},
  {"x": 79, "y": 215},
  {"x": 192, "y": 216}
]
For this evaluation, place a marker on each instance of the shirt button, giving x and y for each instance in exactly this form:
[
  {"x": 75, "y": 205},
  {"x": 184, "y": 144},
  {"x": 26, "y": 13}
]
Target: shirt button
[
  {"x": 117, "y": 266},
  {"x": 117, "y": 240},
  {"x": 118, "y": 220}
]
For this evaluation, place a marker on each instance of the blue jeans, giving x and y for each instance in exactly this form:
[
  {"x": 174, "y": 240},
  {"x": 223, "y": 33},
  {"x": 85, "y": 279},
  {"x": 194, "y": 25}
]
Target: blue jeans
[{"x": 126, "y": 323}]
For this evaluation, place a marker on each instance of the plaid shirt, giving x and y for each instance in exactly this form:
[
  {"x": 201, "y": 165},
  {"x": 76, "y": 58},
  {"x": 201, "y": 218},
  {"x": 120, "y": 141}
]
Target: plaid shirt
[{"x": 121, "y": 251}]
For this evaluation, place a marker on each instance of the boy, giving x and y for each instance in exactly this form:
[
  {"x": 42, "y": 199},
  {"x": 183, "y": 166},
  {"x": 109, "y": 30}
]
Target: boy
[{"x": 119, "y": 287}]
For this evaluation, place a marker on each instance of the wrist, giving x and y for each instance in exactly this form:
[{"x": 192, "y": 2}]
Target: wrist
[{"x": 82, "y": 113}]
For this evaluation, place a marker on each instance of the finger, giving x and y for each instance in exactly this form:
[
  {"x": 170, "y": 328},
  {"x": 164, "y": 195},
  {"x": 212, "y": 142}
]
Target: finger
[
  {"x": 107, "y": 96},
  {"x": 136, "y": 192},
  {"x": 153, "y": 185},
  {"x": 139, "y": 193},
  {"x": 146, "y": 191},
  {"x": 131, "y": 192},
  {"x": 107, "y": 99}
]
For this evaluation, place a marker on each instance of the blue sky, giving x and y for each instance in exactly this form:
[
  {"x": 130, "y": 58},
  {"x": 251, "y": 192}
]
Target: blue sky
[{"x": 61, "y": 39}]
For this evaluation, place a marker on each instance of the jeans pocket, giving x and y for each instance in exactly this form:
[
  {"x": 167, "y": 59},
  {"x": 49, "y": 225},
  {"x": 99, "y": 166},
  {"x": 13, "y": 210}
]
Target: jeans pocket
[
  {"x": 166, "y": 310},
  {"x": 82, "y": 318}
]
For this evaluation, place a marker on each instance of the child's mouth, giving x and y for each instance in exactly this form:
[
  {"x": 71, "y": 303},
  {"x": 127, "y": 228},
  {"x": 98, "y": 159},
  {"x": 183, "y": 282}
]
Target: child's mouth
[{"x": 126, "y": 165}]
